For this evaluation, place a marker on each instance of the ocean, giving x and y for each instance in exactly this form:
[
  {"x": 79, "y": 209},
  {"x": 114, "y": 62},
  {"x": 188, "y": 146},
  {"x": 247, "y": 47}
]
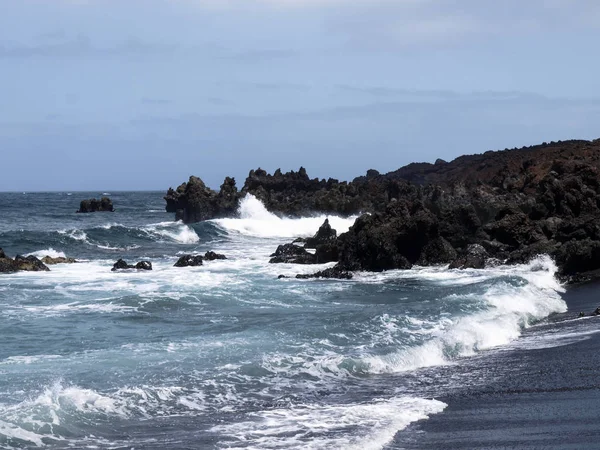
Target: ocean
[{"x": 227, "y": 355}]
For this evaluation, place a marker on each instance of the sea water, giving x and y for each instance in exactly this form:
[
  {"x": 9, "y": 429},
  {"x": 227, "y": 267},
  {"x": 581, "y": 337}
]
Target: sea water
[{"x": 226, "y": 355}]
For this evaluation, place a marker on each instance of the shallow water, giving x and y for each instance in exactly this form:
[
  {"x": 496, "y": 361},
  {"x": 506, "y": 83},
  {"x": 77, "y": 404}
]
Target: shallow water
[{"x": 226, "y": 355}]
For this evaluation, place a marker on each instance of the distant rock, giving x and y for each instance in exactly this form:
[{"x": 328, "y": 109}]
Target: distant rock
[
  {"x": 189, "y": 260},
  {"x": 121, "y": 264},
  {"x": 95, "y": 205}
]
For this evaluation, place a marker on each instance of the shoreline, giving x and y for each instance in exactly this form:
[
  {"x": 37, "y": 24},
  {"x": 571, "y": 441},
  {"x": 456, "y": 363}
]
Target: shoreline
[{"x": 542, "y": 393}]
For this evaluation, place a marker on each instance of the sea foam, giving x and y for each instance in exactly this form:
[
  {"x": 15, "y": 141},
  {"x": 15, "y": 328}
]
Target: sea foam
[{"x": 255, "y": 220}]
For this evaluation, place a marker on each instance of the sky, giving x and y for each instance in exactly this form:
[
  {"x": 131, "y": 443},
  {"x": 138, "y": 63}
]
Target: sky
[{"x": 141, "y": 94}]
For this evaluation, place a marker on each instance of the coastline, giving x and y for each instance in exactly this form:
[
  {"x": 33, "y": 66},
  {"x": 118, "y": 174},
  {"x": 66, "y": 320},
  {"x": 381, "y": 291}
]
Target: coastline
[{"x": 543, "y": 392}]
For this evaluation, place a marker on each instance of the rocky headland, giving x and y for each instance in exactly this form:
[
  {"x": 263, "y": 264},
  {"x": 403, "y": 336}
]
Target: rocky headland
[{"x": 496, "y": 207}]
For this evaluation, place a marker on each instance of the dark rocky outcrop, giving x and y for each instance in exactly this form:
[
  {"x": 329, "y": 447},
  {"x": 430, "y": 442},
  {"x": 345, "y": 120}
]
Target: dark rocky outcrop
[
  {"x": 95, "y": 205},
  {"x": 21, "y": 263},
  {"x": 211, "y": 256},
  {"x": 473, "y": 258},
  {"x": 197, "y": 260},
  {"x": 333, "y": 272},
  {"x": 49, "y": 261},
  {"x": 512, "y": 204},
  {"x": 325, "y": 235},
  {"x": 30, "y": 264},
  {"x": 292, "y": 253},
  {"x": 189, "y": 260},
  {"x": 121, "y": 264}
]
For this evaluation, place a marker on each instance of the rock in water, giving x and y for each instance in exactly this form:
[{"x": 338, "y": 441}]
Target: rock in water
[
  {"x": 30, "y": 264},
  {"x": 121, "y": 264},
  {"x": 333, "y": 272},
  {"x": 189, "y": 260},
  {"x": 95, "y": 205},
  {"x": 48, "y": 260},
  {"x": 291, "y": 253},
  {"x": 144, "y": 265},
  {"x": 211, "y": 256}
]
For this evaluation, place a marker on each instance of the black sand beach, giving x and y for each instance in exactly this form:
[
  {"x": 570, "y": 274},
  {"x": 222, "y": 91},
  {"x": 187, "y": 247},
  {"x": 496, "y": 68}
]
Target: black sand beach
[{"x": 544, "y": 390}]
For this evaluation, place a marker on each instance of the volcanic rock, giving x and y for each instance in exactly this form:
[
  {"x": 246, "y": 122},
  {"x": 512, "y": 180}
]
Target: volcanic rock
[
  {"x": 211, "y": 256},
  {"x": 324, "y": 235},
  {"x": 333, "y": 272},
  {"x": 189, "y": 260},
  {"x": 122, "y": 265},
  {"x": 48, "y": 260},
  {"x": 291, "y": 253},
  {"x": 30, "y": 264},
  {"x": 95, "y": 205}
]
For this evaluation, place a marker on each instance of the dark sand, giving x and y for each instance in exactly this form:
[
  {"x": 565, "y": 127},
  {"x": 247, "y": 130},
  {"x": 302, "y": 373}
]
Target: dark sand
[{"x": 542, "y": 392}]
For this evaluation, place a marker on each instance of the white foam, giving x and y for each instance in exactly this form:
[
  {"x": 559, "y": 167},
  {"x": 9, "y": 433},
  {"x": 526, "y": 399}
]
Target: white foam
[
  {"x": 48, "y": 252},
  {"x": 359, "y": 426},
  {"x": 509, "y": 309},
  {"x": 174, "y": 231},
  {"x": 255, "y": 220}
]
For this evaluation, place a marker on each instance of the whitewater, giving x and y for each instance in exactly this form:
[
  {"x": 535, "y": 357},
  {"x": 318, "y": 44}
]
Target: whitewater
[{"x": 227, "y": 355}]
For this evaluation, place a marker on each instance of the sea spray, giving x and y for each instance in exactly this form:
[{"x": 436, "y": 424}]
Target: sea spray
[{"x": 255, "y": 220}]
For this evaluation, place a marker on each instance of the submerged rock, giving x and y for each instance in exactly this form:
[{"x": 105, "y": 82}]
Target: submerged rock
[
  {"x": 95, "y": 205},
  {"x": 333, "y": 272}
]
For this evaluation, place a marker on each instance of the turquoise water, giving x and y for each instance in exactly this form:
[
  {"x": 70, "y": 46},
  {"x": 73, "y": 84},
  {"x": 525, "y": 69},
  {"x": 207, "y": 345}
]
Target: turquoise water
[{"x": 226, "y": 355}]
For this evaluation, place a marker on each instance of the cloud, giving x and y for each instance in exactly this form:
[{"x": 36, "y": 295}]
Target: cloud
[{"x": 57, "y": 46}]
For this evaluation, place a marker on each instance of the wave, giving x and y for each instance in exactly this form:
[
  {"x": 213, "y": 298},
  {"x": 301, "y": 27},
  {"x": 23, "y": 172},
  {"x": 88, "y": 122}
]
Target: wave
[
  {"x": 360, "y": 426},
  {"x": 514, "y": 298},
  {"x": 47, "y": 252},
  {"x": 255, "y": 220}
]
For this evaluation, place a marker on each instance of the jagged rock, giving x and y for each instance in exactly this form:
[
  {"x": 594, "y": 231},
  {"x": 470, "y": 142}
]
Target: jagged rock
[
  {"x": 30, "y": 264},
  {"x": 211, "y": 256},
  {"x": 333, "y": 272},
  {"x": 48, "y": 260},
  {"x": 516, "y": 204},
  {"x": 189, "y": 260},
  {"x": 291, "y": 253},
  {"x": 121, "y": 264},
  {"x": 324, "y": 235},
  {"x": 2, "y": 254},
  {"x": 95, "y": 205}
]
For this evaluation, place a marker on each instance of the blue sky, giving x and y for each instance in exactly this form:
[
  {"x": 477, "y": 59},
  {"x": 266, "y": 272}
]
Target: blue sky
[{"x": 140, "y": 94}]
